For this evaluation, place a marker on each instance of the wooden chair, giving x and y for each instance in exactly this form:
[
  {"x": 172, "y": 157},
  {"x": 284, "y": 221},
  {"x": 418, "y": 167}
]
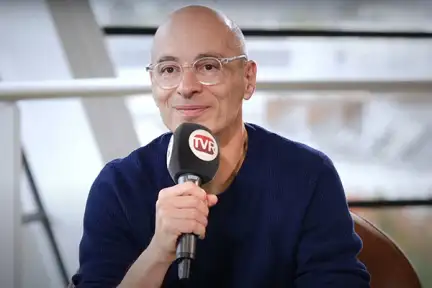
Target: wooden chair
[{"x": 385, "y": 261}]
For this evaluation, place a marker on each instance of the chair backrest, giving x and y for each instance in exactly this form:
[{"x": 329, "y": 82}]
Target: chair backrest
[{"x": 385, "y": 261}]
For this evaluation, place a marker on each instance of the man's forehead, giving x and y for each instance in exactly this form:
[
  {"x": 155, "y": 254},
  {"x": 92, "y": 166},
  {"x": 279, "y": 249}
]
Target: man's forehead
[
  {"x": 192, "y": 36},
  {"x": 191, "y": 47}
]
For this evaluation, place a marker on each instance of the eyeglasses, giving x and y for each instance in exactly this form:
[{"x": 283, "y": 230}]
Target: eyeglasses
[{"x": 208, "y": 70}]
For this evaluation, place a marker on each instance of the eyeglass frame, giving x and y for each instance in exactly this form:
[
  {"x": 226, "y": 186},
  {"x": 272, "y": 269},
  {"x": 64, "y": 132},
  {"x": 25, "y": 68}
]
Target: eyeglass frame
[{"x": 222, "y": 61}]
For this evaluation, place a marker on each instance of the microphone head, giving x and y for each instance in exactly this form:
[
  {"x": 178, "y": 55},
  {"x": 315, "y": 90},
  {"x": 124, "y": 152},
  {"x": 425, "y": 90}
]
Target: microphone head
[{"x": 193, "y": 150}]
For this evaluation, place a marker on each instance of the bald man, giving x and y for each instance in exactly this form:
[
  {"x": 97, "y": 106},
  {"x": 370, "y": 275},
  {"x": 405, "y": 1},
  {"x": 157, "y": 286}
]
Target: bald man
[{"x": 275, "y": 215}]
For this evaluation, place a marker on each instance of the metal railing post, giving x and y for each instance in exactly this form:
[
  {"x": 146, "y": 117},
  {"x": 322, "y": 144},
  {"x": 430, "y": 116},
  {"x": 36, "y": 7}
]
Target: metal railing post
[{"x": 10, "y": 205}]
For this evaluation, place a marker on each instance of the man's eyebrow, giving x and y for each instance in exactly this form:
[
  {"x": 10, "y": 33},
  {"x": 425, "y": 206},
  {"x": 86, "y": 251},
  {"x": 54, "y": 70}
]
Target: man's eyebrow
[
  {"x": 209, "y": 54},
  {"x": 167, "y": 58}
]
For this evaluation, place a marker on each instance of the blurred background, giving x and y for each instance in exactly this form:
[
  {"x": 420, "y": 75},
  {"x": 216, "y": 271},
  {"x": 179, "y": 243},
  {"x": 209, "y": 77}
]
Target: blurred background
[{"x": 347, "y": 77}]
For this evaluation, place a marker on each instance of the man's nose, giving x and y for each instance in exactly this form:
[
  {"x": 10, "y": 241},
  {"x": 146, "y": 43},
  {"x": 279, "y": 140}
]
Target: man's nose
[{"x": 189, "y": 84}]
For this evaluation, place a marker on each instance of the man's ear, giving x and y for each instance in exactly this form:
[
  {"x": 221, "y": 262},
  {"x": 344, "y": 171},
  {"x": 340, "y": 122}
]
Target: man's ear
[{"x": 250, "y": 77}]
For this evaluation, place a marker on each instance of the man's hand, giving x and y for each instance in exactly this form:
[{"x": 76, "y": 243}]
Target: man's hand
[{"x": 180, "y": 209}]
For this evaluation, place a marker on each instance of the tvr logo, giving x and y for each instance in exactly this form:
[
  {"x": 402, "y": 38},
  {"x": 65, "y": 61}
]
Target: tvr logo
[{"x": 203, "y": 145}]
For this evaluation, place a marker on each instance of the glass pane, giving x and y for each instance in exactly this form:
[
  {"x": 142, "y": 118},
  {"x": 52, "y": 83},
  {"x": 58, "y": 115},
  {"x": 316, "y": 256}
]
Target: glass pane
[
  {"x": 64, "y": 159},
  {"x": 409, "y": 228},
  {"x": 380, "y": 144},
  {"x": 39, "y": 266},
  {"x": 343, "y": 15}
]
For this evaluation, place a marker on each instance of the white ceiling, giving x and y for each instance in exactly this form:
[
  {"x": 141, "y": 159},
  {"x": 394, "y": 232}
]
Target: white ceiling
[{"x": 413, "y": 15}]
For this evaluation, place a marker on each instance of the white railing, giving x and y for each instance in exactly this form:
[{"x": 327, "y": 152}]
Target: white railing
[{"x": 15, "y": 91}]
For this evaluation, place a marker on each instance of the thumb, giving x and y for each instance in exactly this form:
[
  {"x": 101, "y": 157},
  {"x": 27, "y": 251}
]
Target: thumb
[{"x": 211, "y": 200}]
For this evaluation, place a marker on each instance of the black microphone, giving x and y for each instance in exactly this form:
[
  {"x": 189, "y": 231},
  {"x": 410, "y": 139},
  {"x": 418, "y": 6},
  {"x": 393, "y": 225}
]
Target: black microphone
[{"x": 192, "y": 156}]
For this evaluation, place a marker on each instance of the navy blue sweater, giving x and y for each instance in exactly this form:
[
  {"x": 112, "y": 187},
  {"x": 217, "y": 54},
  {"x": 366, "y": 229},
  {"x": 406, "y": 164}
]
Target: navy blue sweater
[{"x": 283, "y": 222}]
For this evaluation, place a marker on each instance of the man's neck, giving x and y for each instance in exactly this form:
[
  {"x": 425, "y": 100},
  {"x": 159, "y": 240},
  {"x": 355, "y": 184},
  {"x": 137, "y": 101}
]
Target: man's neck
[{"x": 231, "y": 147}]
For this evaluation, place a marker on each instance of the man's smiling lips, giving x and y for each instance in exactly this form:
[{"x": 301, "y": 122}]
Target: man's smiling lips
[{"x": 191, "y": 110}]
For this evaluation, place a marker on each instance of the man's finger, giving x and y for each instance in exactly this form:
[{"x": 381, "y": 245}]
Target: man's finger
[{"x": 187, "y": 188}]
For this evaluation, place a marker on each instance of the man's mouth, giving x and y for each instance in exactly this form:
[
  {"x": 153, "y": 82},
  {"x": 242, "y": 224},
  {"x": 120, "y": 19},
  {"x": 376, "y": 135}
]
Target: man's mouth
[{"x": 191, "y": 110}]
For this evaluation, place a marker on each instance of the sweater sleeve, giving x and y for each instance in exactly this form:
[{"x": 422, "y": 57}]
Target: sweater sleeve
[
  {"x": 108, "y": 247},
  {"x": 328, "y": 247}
]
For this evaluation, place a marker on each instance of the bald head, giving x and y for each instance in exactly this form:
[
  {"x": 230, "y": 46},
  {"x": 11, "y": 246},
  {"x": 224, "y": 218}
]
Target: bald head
[{"x": 187, "y": 20}]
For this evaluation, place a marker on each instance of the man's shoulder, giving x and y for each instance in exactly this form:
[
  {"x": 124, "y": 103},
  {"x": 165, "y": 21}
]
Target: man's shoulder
[
  {"x": 147, "y": 162},
  {"x": 288, "y": 150}
]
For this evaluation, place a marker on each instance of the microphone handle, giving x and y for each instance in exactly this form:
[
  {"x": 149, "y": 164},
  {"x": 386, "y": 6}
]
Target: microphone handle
[{"x": 186, "y": 247}]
